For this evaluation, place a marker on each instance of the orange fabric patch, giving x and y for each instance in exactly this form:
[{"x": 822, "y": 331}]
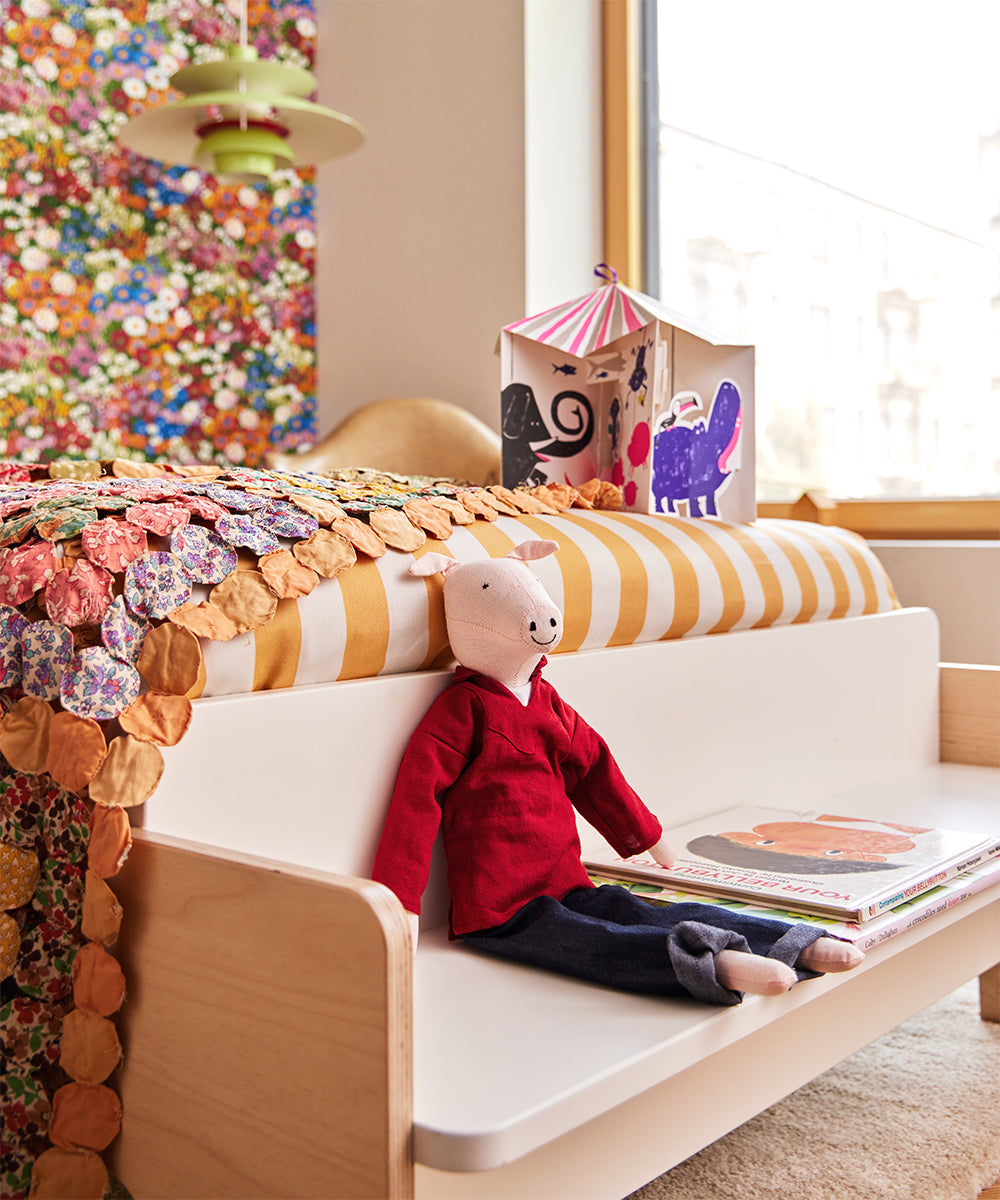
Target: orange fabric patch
[
  {"x": 76, "y": 750},
  {"x": 24, "y": 735},
  {"x": 324, "y": 511},
  {"x": 460, "y": 515},
  {"x": 156, "y": 717},
  {"x": 170, "y": 659},
  {"x": 428, "y": 516},
  {"x": 204, "y": 620},
  {"x": 59, "y": 1174},
  {"x": 90, "y": 1049},
  {"x": 102, "y": 914},
  {"x": 10, "y": 944},
  {"x": 397, "y": 530},
  {"x": 110, "y": 840},
  {"x": 325, "y": 552},
  {"x": 129, "y": 774},
  {"x": 20, "y": 872},
  {"x": 523, "y": 501},
  {"x": 246, "y": 600},
  {"x": 85, "y": 1116},
  {"x": 98, "y": 980},
  {"x": 286, "y": 576},
  {"x": 476, "y": 505},
  {"x": 361, "y": 536}
]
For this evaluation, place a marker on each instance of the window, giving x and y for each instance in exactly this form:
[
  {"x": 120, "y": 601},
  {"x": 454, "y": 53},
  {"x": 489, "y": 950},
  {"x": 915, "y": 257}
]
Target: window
[{"x": 824, "y": 181}]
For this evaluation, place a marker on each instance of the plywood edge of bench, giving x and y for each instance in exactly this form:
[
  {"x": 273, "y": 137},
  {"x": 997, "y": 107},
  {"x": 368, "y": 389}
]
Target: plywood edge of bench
[
  {"x": 241, "y": 970},
  {"x": 970, "y": 714}
]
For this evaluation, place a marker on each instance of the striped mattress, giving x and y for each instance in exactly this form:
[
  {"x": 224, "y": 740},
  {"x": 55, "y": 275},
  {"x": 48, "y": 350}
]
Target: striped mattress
[{"x": 620, "y": 579}]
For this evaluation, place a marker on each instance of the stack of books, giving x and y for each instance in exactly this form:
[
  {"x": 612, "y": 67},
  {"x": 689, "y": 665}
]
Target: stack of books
[{"x": 861, "y": 879}]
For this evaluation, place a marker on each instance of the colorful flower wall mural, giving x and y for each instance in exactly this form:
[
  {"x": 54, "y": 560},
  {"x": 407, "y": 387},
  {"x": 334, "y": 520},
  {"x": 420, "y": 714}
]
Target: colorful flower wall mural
[{"x": 147, "y": 311}]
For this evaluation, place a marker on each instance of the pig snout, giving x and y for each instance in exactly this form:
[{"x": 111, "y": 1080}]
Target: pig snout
[{"x": 543, "y": 626}]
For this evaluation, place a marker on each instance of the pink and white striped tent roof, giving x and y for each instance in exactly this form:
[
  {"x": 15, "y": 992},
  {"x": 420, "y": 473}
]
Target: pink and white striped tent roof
[{"x": 591, "y": 322}]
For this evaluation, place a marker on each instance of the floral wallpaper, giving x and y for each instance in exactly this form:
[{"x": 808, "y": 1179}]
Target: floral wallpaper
[{"x": 146, "y": 311}]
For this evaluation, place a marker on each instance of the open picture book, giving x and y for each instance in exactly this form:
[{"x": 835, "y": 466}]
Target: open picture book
[{"x": 846, "y": 868}]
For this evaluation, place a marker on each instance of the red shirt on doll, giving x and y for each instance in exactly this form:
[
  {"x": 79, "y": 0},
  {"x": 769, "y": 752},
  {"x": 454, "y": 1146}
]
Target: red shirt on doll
[{"x": 501, "y": 779}]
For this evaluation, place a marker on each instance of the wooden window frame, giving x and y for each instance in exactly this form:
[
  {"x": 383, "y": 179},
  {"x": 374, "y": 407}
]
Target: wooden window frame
[{"x": 974, "y": 518}]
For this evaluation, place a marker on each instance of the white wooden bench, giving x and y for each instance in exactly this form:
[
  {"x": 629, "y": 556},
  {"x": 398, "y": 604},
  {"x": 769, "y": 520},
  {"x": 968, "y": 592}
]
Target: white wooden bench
[{"x": 278, "y": 1042}]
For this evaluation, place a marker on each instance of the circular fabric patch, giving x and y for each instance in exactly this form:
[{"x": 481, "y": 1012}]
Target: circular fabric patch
[
  {"x": 79, "y": 596},
  {"x": 286, "y": 576},
  {"x": 161, "y": 519},
  {"x": 98, "y": 685},
  {"x": 397, "y": 530},
  {"x": 90, "y": 1049},
  {"x": 205, "y": 621},
  {"x": 426, "y": 514},
  {"x": 39, "y": 816},
  {"x": 12, "y": 625},
  {"x": 85, "y": 1116},
  {"x": 20, "y": 871},
  {"x": 128, "y": 776},
  {"x": 98, "y": 980},
  {"x": 235, "y": 499},
  {"x": 171, "y": 659},
  {"x": 121, "y": 632},
  {"x": 246, "y": 599},
  {"x": 113, "y": 544},
  {"x": 102, "y": 914},
  {"x": 323, "y": 510},
  {"x": 65, "y": 522},
  {"x": 286, "y": 520},
  {"x": 158, "y": 718},
  {"x": 203, "y": 554},
  {"x": 110, "y": 839},
  {"x": 325, "y": 552},
  {"x": 239, "y": 530},
  {"x": 76, "y": 749},
  {"x": 59, "y": 1172},
  {"x": 156, "y": 584},
  {"x": 46, "y": 648},
  {"x": 360, "y": 535},
  {"x": 24, "y": 735},
  {"x": 25, "y": 569},
  {"x": 10, "y": 944}
]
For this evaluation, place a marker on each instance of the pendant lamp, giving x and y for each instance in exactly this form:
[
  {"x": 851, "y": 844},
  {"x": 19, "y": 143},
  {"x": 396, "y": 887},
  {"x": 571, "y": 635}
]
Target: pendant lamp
[{"x": 242, "y": 118}]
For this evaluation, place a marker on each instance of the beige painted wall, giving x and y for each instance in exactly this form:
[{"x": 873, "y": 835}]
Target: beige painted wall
[
  {"x": 961, "y": 582},
  {"x": 455, "y": 216}
]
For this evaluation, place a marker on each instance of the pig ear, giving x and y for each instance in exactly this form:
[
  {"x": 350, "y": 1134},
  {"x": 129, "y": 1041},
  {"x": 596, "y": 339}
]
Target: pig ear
[
  {"x": 530, "y": 550},
  {"x": 434, "y": 564}
]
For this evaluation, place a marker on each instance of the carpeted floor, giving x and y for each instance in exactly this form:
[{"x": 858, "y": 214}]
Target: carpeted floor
[{"x": 913, "y": 1116}]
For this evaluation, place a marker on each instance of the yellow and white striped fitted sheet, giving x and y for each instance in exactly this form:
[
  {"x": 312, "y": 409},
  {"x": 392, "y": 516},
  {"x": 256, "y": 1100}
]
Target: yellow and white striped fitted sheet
[{"x": 620, "y": 579}]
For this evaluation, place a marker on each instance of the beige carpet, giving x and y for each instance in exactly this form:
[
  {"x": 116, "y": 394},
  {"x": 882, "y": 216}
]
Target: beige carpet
[{"x": 913, "y": 1116}]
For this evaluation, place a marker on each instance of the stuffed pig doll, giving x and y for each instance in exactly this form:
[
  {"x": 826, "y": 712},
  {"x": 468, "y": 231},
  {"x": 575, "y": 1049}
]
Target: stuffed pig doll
[{"x": 501, "y": 765}]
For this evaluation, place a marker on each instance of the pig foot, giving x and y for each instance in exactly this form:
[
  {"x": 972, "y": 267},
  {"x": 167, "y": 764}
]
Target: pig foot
[
  {"x": 741, "y": 972},
  {"x": 829, "y": 954}
]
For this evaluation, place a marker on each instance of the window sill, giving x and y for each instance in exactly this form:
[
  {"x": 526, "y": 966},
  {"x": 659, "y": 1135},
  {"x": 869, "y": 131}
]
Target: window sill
[{"x": 973, "y": 519}]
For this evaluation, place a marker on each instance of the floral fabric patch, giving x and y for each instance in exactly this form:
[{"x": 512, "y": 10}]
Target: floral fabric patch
[
  {"x": 79, "y": 596},
  {"x": 95, "y": 684},
  {"x": 121, "y": 632},
  {"x": 156, "y": 584},
  {"x": 46, "y": 648},
  {"x": 203, "y": 554},
  {"x": 24, "y": 569},
  {"x": 113, "y": 544},
  {"x": 240, "y": 530}
]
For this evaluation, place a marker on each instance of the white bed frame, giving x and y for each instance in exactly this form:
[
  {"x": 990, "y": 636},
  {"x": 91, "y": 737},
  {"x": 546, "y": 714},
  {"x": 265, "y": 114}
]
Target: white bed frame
[{"x": 279, "y": 1044}]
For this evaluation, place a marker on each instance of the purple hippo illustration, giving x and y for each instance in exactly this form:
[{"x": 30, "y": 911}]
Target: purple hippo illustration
[{"x": 691, "y": 462}]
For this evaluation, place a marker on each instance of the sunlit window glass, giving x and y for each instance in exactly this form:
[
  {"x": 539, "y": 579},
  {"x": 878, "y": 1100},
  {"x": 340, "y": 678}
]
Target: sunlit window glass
[{"x": 829, "y": 189}]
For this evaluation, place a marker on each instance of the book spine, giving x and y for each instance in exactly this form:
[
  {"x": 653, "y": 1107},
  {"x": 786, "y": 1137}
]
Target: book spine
[{"x": 929, "y": 881}]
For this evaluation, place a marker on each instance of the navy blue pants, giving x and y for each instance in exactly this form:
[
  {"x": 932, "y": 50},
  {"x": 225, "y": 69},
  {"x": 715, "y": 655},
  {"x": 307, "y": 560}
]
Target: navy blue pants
[{"x": 610, "y": 936}]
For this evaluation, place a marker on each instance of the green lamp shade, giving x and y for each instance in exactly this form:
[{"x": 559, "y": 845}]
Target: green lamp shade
[
  {"x": 275, "y": 123},
  {"x": 245, "y": 155}
]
